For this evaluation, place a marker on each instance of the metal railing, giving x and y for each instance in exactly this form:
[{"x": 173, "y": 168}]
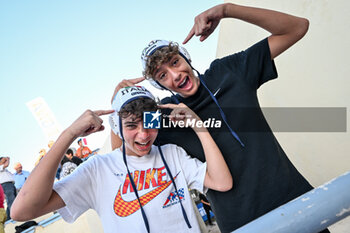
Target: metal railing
[{"x": 312, "y": 212}]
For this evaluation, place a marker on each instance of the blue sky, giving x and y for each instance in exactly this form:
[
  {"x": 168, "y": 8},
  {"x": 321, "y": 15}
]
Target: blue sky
[{"x": 74, "y": 53}]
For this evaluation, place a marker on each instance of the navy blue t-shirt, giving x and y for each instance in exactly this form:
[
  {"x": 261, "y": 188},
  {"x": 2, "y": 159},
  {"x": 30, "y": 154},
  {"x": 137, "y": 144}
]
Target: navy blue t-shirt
[{"x": 263, "y": 176}]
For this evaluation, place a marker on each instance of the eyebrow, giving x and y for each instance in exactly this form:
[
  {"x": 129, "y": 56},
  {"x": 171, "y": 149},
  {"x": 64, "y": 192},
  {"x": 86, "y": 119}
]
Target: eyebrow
[
  {"x": 169, "y": 60},
  {"x": 132, "y": 121}
]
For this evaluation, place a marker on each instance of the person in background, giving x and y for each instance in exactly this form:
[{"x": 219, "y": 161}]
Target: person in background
[
  {"x": 70, "y": 156},
  {"x": 8, "y": 183},
  {"x": 206, "y": 206},
  {"x": 50, "y": 143},
  {"x": 83, "y": 151},
  {"x": 2, "y": 211},
  {"x": 42, "y": 153},
  {"x": 20, "y": 176},
  {"x": 69, "y": 163}
]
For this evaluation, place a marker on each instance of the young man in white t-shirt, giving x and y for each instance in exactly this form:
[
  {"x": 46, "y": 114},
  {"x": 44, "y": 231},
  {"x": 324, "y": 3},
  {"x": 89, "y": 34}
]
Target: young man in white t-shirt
[{"x": 137, "y": 188}]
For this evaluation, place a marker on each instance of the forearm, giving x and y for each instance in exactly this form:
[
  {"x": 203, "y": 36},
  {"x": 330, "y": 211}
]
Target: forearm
[
  {"x": 37, "y": 190},
  {"x": 218, "y": 175},
  {"x": 275, "y": 22},
  {"x": 6, "y": 164},
  {"x": 285, "y": 29},
  {"x": 204, "y": 202},
  {"x": 37, "y": 196}
]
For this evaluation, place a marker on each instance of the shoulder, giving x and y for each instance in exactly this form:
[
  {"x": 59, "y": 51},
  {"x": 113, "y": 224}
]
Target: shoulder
[
  {"x": 92, "y": 166},
  {"x": 260, "y": 45},
  {"x": 108, "y": 158},
  {"x": 170, "y": 146},
  {"x": 94, "y": 161},
  {"x": 100, "y": 158},
  {"x": 239, "y": 57},
  {"x": 173, "y": 149}
]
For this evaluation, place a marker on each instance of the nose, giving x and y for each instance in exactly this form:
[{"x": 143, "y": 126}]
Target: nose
[
  {"x": 174, "y": 74},
  {"x": 143, "y": 133}
]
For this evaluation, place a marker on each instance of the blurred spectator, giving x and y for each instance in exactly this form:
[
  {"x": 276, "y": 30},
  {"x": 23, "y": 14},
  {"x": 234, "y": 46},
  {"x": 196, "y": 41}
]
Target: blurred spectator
[
  {"x": 20, "y": 176},
  {"x": 42, "y": 153},
  {"x": 206, "y": 206},
  {"x": 83, "y": 151},
  {"x": 69, "y": 163},
  {"x": 7, "y": 183},
  {"x": 72, "y": 158},
  {"x": 51, "y": 142},
  {"x": 2, "y": 211}
]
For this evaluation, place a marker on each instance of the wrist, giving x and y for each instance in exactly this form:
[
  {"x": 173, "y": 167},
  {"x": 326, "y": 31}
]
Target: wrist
[
  {"x": 69, "y": 134},
  {"x": 200, "y": 130},
  {"x": 228, "y": 10}
]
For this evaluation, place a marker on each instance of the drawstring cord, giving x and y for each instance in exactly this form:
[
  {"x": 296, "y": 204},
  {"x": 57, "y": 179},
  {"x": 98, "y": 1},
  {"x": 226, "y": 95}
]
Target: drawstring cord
[
  {"x": 223, "y": 116},
  {"x": 132, "y": 180},
  {"x": 177, "y": 193}
]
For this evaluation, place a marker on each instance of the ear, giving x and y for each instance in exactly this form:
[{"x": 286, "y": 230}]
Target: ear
[{"x": 114, "y": 123}]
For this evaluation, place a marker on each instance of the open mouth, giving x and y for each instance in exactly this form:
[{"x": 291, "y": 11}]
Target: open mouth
[
  {"x": 185, "y": 84},
  {"x": 143, "y": 146}
]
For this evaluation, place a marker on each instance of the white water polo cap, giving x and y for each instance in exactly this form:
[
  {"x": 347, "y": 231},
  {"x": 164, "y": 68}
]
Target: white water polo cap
[{"x": 124, "y": 96}]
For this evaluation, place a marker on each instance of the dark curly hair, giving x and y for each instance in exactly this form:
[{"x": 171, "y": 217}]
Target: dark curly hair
[{"x": 159, "y": 57}]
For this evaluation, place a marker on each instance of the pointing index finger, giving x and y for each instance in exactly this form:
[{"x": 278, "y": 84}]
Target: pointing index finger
[
  {"x": 137, "y": 80},
  {"x": 172, "y": 106},
  {"x": 189, "y": 36},
  {"x": 103, "y": 112}
]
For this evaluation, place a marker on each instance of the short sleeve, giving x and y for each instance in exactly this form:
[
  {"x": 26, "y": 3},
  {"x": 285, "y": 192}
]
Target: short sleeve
[
  {"x": 254, "y": 65},
  {"x": 77, "y": 191},
  {"x": 258, "y": 65},
  {"x": 193, "y": 169}
]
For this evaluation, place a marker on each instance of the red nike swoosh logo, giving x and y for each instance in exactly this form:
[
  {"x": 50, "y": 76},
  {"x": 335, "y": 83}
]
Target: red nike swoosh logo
[{"x": 125, "y": 208}]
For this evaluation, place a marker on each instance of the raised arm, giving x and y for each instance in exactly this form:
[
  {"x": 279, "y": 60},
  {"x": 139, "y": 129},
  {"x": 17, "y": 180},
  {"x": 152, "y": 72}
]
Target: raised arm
[
  {"x": 285, "y": 29},
  {"x": 37, "y": 196},
  {"x": 218, "y": 176},
  {"x": 7, "y": 162}
]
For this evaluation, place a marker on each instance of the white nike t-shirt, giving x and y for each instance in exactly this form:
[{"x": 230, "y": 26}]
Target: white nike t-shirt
[{"x": 102, "y": 184}]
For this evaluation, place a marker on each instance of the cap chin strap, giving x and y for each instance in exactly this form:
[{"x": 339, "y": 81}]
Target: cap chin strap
[
  {"x": 223, "y": 116},
  {"x": 131, "y": 178},
  {"x": 177, "y": 193}
]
